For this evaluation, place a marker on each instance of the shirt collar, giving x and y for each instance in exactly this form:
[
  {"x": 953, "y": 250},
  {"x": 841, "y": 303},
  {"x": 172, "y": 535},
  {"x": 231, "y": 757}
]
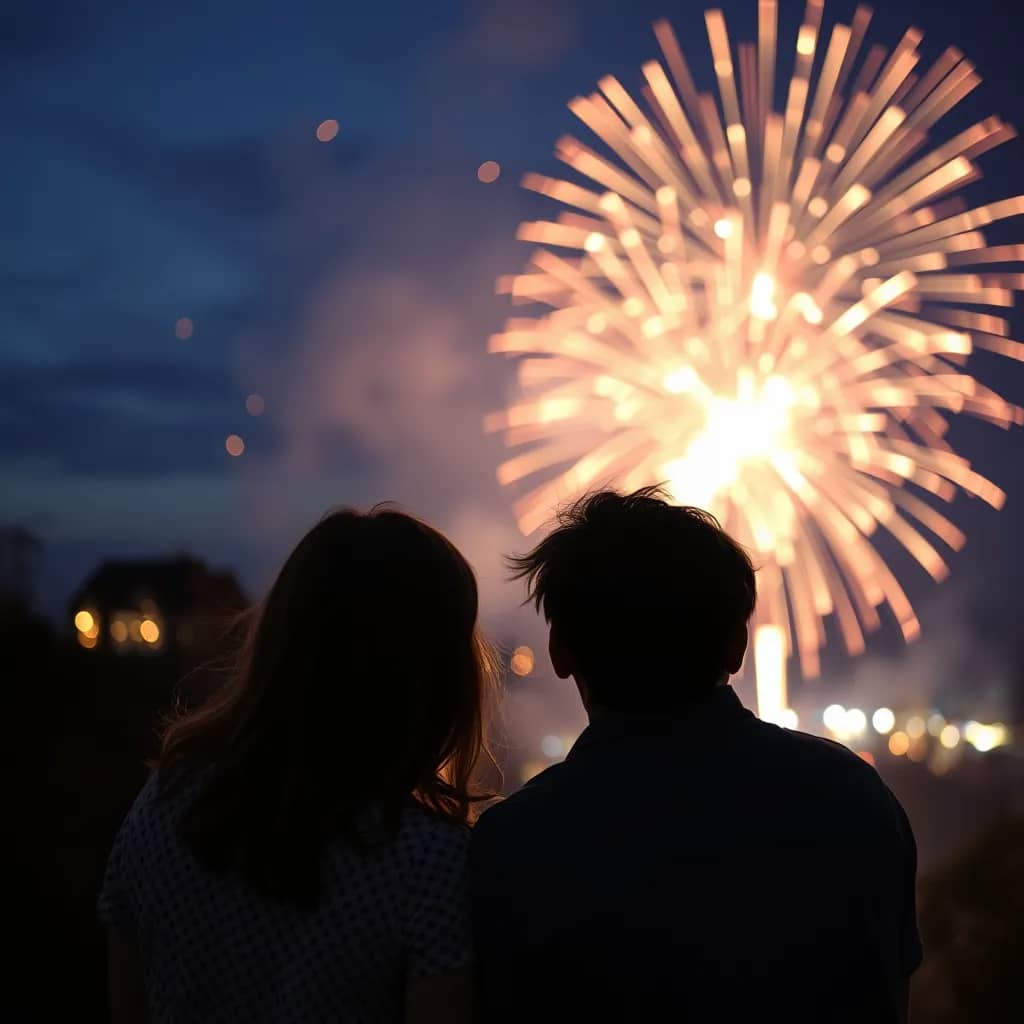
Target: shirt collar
[{"x": 720, "y": 709}]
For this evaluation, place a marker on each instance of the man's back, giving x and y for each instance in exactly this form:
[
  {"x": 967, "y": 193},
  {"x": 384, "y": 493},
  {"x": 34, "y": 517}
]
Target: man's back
[{"x": 708, "y": 864}]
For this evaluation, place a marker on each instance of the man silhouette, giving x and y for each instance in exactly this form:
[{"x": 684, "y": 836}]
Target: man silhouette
[{"x": 686, "y": 861}]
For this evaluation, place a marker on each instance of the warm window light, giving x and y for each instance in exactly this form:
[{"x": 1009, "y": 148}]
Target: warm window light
[
  {"x": 149, "y": 631},
  {"x": 234, "y": 445},
  {"x": 522, "y": 661},
  {"x": 184, "y": 328},
  {"x": 327, "y": 130},
  {"x": 488, "y": 171}
]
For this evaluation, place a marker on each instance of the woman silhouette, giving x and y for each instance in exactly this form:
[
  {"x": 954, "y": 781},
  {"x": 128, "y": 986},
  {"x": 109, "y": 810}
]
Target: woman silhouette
[{"x": 300, "y": 851}]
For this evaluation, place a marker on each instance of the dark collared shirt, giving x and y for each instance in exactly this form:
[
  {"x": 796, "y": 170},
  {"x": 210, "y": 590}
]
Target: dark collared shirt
[{"x": 706, "y": 866}]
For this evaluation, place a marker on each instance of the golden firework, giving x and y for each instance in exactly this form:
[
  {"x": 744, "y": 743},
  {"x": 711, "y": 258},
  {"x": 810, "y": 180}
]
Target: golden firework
[{"x": 771, "y": 312}]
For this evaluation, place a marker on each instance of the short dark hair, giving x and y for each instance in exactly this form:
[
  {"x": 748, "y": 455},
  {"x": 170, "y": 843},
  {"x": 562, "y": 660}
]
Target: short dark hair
[{"x": 644, "y": 594}]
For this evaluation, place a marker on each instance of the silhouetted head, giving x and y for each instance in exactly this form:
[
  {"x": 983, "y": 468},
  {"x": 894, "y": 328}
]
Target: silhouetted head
[
  {"x": 362, "y": 683},
  {"x": 648, "y": 602}
]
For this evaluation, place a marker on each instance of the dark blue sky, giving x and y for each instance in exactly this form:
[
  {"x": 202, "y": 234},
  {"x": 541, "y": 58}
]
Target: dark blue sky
[{"x": 160, "y": 161}]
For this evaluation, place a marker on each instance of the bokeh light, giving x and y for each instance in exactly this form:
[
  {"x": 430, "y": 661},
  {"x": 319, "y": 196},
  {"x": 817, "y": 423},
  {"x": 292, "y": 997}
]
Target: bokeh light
[
  {"x": 184, "y": 328},
  {"x": 149, "y": 631},
  {"x": 552, "y": 746},
  {"x": 835, "y": 718},
  {"x": 915, "y": 727},
  {"x": 883, "y": 720},
  {"x": 119, "y": 631},
  {"x": 488, "y": 171},
  {"x": 899, "y": 743},
  {"x": 84, "y": 621},
  {"x": 855, "y": 722},
  {"x": 950, "y": 736},
  {"x": 327, "y": 131},
  {"x": 521, "y": 661},
  {"x": 254, "y": 405},
  {"x": 234, "y": 445}
]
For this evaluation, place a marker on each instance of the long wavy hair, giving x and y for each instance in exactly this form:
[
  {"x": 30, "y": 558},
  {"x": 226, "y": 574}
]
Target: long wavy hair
[{"x": 362, "y": 683}]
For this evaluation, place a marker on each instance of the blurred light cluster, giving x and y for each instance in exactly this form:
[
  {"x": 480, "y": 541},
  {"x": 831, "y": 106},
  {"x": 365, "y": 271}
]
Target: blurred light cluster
[
  {"x": 128, "y": 629},
  {"x": 914, "y": 735}
]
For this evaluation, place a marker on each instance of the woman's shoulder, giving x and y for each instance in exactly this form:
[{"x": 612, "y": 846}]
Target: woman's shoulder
[{"x": 422, "y": 827}]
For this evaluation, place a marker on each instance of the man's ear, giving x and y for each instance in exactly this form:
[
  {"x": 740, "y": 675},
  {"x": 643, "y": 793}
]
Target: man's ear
[
  {"x": 561, "y": 661},
  {"x": 736, "y": 649}
]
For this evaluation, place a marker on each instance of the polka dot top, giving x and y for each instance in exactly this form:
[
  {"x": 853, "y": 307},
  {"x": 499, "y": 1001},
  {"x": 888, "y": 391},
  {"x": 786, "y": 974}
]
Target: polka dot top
[{"x": 212, "y": 949}]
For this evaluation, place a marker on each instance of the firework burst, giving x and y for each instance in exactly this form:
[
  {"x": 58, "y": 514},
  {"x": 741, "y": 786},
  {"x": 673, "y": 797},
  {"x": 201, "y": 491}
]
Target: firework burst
[{"x": 771, "y": 312}]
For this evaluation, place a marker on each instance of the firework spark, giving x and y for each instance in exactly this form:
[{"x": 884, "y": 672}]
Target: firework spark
[{"x": 771, "y": 312}]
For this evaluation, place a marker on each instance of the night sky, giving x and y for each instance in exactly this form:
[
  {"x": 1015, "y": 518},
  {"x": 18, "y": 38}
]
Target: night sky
[{"x": 161, "y": 162}]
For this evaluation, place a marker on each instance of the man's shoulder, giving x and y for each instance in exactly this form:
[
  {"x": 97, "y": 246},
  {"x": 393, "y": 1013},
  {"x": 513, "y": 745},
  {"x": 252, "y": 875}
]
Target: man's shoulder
[
  {"x": 537, "y": 798},
  {"x": 807, "y": 752}
]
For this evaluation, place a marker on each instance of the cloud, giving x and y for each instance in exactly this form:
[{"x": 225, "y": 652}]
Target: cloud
[
  {"x": 33, "y": 30},
  {"x": 117, "y": 418},
  {"x": 245, "y": 177}
]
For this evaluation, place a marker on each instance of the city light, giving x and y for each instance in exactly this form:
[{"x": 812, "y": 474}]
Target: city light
[
  {"x": 835, "y": 718},
  {"x": 149, "y": 631},
  {"x": 119, "y": 631},
  {"x": 883, "y": 720},
  {"x": 949, "y": 737},
  {"x": 789, "y": 719},
  {"x": 234, "y": 445},
  {"x": 855, "y": 722},
  {"x": 770, "y": 309},
  {"x": 84, "y": 621},
  {"x": 915, "y": 727},
  {"x": 899, "y": 743},
  {"x": 985, "y": 737}
]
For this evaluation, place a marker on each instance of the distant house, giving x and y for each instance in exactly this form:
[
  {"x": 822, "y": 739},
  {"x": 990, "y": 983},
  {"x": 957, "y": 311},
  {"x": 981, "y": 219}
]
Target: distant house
[{"x": 172, "y": 607}]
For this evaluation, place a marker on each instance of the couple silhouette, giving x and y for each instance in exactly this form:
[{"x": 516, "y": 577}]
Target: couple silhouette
[{"x": 308, "y": 846}]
